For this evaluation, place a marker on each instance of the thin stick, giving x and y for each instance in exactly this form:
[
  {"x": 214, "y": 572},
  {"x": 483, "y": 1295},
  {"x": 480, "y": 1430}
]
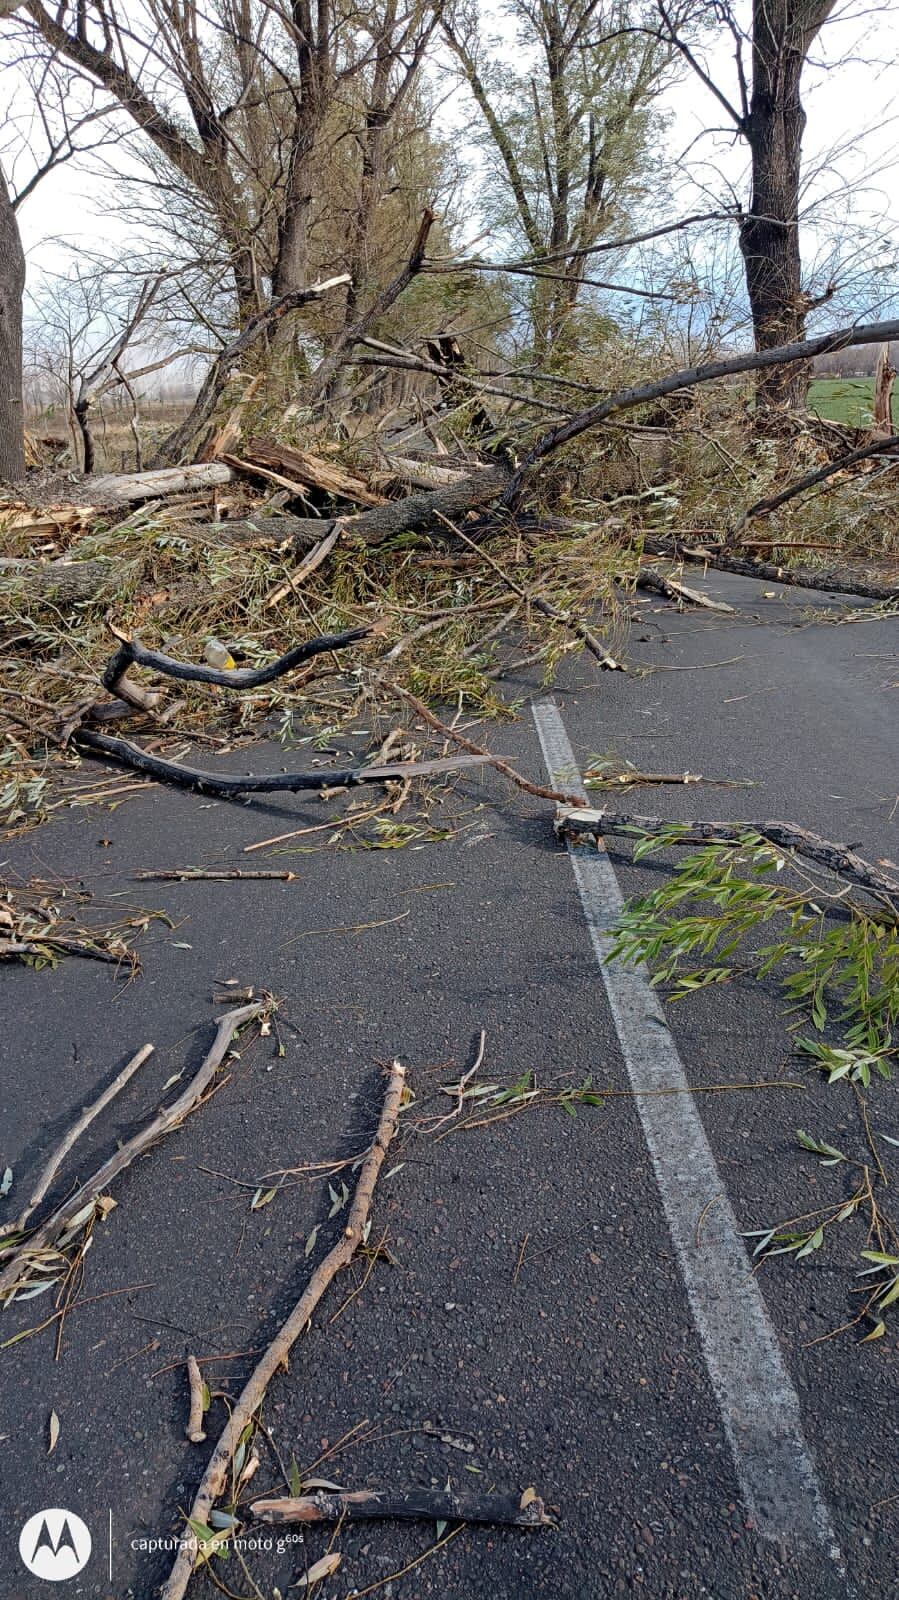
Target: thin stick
[
  {"x": 312, "y": 562},
  {"x": 210, "y": 875},
  {"x": 75, "y": 1132},
  {"x": 492, "y": 761},
  {"x": 406, "y": 1504},
  {"x": 254, "y": 1391},
  {"x": 194, "y": 1430},
  {"x": 162, "y": 1123}
]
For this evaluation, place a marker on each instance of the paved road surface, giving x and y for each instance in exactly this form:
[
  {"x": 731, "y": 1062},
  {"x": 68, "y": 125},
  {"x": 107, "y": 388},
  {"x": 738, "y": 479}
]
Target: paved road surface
[{"x": 582, "y": 1371}]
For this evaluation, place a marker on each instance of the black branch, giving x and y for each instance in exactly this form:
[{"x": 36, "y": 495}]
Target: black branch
[
  {"x": 230, "y": 784},
  {"x": 132, "y": 653}
]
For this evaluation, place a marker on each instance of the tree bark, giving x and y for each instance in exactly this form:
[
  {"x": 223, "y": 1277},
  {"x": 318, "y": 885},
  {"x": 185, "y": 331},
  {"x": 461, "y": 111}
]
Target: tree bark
[
  {"x": 65, "y": 583},
  {"x": 884, "y": 377},
  {"x": 782, "y": 34},
  {"x": 12, "y": 285},
  {"x": 409, "y": 515}
]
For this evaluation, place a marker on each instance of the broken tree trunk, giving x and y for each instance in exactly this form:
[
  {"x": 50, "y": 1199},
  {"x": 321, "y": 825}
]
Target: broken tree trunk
[
  {"x": 410, "y": 515},
  {"x": 301, "y": 470},
  {"x": 124, "y": 488},
  {"x": 838, "y": 858},
  {"x": 884, "y": 376},
  {"x": 428, "y": 1505},
  {"x": 64, "y": 583}
]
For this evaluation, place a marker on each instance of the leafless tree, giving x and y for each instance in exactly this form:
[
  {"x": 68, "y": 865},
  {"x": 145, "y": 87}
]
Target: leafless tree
[
  {"x": 767, "y": 113},
  {"x": 247, "y": 102}
]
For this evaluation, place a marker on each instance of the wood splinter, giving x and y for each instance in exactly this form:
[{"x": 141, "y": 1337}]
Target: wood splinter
[
  {"x": 195, "y": 1431},
  {"x": 429, "y": 1505}
]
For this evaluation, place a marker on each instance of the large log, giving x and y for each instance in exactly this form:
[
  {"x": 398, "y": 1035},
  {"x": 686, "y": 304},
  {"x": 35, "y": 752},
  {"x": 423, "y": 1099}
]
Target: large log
[
  {"x": 124, "y": 488},
  {"x": 410, "y": 515},
  {"x": 65, "y": 583}
]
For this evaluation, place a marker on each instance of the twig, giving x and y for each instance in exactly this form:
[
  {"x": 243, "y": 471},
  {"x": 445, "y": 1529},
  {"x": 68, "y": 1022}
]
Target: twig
[
  {"x": 312, "y": 562},
  {"x": 461, "y": 1086},
  {"x": 492, "y": 761},
  {"x": 254, "y": 1391},
  {"x": 75, "y": 1132},
  {"x": 514, "y": 1510},
  {"x": 837, "y": 858},
  {"x": 163, "y": 1122},
  {"x": 208, "y": 874},
  {"x": 410, "y": 1565},
  {"x": 194, "y": 1430}
]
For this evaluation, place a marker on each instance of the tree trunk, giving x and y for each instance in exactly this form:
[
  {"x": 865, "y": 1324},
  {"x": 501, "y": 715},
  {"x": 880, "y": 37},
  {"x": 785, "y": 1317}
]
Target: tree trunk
[
  {"x": 783, "y": 32},
  {"x": 12, "y": 285}
]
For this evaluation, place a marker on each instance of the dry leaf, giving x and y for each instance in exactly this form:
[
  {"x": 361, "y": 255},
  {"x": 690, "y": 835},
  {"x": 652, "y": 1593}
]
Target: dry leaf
[
  {"x": 319, "y": 1569},
  {"x": 530, "y": 1494},
  {"x": 54, "y": 1433}
]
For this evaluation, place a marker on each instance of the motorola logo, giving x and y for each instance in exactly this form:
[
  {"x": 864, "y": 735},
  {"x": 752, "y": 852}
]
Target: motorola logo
[{"x": 55, "y": 1545}]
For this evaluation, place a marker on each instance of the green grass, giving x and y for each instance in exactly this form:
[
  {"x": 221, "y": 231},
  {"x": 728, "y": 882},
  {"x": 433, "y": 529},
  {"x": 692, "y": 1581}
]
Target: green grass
[{"x": 846, "y": 400}]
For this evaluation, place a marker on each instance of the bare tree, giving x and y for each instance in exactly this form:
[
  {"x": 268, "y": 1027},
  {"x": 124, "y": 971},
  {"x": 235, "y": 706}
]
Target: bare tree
[
  {"x": 244, "y": 103},
  {"x": 767, "y": 112}
]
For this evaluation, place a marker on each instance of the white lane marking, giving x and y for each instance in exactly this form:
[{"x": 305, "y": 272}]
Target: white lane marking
[{"x": 759, "y": 1406}]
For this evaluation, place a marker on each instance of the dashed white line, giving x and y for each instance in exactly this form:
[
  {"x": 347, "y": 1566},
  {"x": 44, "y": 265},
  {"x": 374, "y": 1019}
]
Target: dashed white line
[{"x": 759, "y": 1405}]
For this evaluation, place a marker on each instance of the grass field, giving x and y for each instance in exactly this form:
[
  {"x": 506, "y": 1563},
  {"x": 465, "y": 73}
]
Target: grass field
[{"x": 845, "y": 400}]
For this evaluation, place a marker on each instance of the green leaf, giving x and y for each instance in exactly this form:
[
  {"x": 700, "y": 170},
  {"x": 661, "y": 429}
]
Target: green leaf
[
  {"x": 813, "y": 1242},
  {"x": 310, "y": 1242},
  {"x": 877, "y": 1332}
]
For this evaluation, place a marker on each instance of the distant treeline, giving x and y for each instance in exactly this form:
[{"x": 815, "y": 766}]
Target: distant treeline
[{"x": 859, "y": 363}]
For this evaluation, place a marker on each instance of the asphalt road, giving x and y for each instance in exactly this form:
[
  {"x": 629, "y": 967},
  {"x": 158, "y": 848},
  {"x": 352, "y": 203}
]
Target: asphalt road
[{"x": 573, "y": 1365}]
